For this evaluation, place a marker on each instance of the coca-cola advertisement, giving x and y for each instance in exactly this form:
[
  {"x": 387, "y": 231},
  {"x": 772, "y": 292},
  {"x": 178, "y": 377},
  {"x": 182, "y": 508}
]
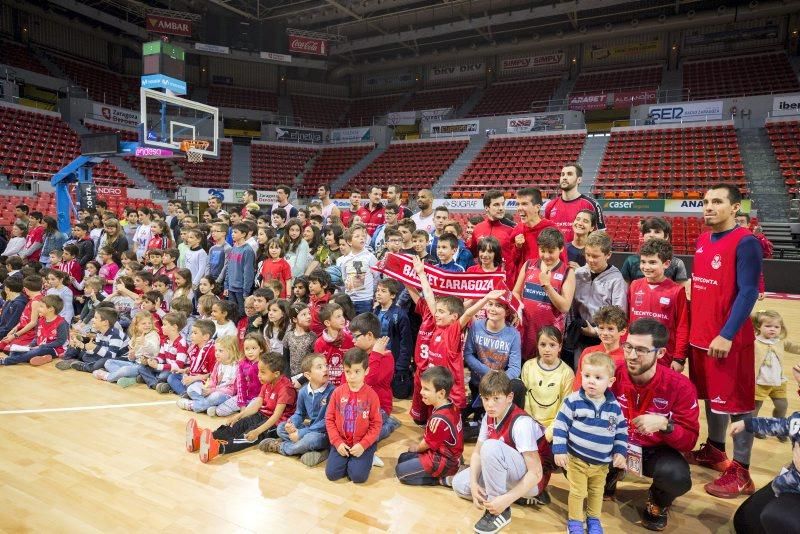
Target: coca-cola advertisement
[{"x": 308, "y": 45}]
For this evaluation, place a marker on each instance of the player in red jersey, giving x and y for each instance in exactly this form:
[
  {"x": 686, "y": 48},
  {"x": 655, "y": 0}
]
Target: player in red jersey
[
  {"x": 725, "y": 274},
  {"x": 658, "y": 297},
  {"x": 496, "y": 224},
  {"x": 347, "y": 215},
  {"x": 439, "y": 339},
  {"x": 372, "y": 214},
  {"x": 563, "y": 209},
  {"x": 661, "y": 407},
  {"x": 525, "y": 234}
]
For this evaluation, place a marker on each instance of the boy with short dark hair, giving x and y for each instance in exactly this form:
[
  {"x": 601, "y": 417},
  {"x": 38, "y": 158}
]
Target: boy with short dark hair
[
  {"x": 356, "y": 267},
  {"x": 15, "y": 301},
  {"x": 612, "y": 324},
  {"x": 274, "y": 404},
  {"x": 319, "y": 282},
  {"x": 295, "y": 436},
  {"x": 261, "y": 299},
  {"x": 657, "y": 297},
  {"x": 654, "y": 228},
  {"x": 439, "y": 339},
  {"x": 510, "y": 462},
  {"x": 419, "y": 240},
  {"x": 353, "y": 422},
  {"x": 334, "y": 341},
  {"x": 219, "y": 253},
  {"x": 446, "y": 247},
  {"x": 50, "y": 341},
  {"x": 201, "y": 357},
  {"x": 438, "y": 455},
  {"x": 240, "y": 274},
  {"x": 395, "y": 325},
  {"x": 109, "y": 343}
]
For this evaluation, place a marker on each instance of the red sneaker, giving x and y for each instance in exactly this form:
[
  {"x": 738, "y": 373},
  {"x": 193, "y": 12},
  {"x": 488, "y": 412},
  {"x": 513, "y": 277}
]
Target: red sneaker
[
  {"x": 735, "y": 481},
  {"x": 708, "y": 456},
  {"x": 192, "y": 435},
  {"x": 209, "y": 447},
  {"x": 40, "y": 360}
]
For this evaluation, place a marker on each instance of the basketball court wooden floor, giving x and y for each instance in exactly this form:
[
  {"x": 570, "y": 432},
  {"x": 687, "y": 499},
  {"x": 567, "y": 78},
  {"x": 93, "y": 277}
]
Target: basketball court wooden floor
[{"x": 79, "y": 455}]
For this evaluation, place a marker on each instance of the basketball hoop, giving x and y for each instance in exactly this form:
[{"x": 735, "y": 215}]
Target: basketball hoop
[{"x": 192, "y": 147}]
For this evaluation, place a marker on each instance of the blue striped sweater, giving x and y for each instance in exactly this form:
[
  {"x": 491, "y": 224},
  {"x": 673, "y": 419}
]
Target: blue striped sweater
[{"x": 591, "y": 433}]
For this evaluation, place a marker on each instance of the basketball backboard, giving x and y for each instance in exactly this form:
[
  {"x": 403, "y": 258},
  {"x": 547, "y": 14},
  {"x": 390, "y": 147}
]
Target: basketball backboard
[{"x": 169, "y": 120}]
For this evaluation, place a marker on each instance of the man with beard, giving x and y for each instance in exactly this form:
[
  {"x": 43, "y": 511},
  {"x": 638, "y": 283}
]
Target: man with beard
[
  {"x": 661, "y": 408},
  {"x": 424, "y": 217},
  {"x": 563, "y": 209},
  {"x": 372, "y": 215},
  {"x": 496, "y": 224},
  {"x": 283, "y": 192},
  {"x": 355, "y": 205},
  {"x": 394, "y": 194},
  {"x": 328, "y": 207},
  {"x": 525, "y": 234}
]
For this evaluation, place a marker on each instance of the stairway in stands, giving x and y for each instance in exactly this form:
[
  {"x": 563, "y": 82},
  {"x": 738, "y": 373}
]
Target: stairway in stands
[
  {"x": 592, "y": 154},
  {"x": 454, "y": 172},
  {"x": 763, "y": 174}
]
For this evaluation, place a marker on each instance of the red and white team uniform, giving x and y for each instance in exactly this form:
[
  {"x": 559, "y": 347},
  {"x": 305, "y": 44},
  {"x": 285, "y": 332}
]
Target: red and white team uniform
[
  {"x": 445, "y": 440},
  {"x": 539, "y": 310},
  {"x": 666, "y": 303},
  {"x": 563, "y": 212}
]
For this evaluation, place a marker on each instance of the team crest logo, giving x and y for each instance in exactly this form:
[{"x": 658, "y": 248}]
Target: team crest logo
[
  {"x": 700, "y": 250},
  {"x": 558, "y": 276},
  {"x": 612, "y": 423},
  {"x": 660, "y": 403},
  {"x": 664, "y": 300},
  {"x": 438, "y": 339},
  {"x": 716, "y": 263},
  {"x": 272, "y": 396}
]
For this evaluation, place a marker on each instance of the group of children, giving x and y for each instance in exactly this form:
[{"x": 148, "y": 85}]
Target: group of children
[{"x": 279, "y": 348}]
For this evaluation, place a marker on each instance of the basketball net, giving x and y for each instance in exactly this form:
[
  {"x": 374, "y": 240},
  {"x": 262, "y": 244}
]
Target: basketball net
[{"x": 192, "y": 148}]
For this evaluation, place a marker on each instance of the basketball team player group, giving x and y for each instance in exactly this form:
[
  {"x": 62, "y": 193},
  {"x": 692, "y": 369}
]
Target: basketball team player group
[{"x": 300, "y": 327}]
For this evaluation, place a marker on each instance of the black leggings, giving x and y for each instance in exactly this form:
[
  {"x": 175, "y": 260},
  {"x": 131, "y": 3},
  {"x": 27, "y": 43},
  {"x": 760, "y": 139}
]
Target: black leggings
[
  {"x": 764, "y": 513},
  {"x": 669, "y": 471},
  {"x": 232, "y": 436}
]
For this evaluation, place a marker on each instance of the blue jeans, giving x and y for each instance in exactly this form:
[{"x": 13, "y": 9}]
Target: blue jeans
[
  {"x": 175, "y": 381},
  {"x": 14, "y": 358},
  {"x": 237, "y": 297},
  {"x": 356, "y": 469},
  {"x": 362, "y": 306},
  {"x": 311, "y": 441},
  {"x": 120, "y": 368},
  {"x": 390, "y": 424},
  {"x": 409, "y": 471},
  {"x": 152, "y": 377},
  {"x": 200, "y": 402}
]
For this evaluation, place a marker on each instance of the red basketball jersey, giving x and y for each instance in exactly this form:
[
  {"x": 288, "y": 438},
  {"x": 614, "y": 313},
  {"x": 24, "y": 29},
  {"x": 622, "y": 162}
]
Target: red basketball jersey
[
  {"x": 539, "y": 310},
  {"x": 444, "y": 436},
  {"x": 666, "y": 303}
]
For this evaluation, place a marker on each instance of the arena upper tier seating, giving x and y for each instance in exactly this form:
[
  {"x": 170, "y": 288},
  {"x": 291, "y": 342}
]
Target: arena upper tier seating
[
  {"x": 362, "y": 111},
  {"x": 317, "y": 111},
  {"x": 509, "y": 163},
  {"x": 37, "y": 145},
  {"x": 412, "y": 166},
  {"x": 739, "y": 76},
  {"x": 329, "y": 164},
  {"x": 440, "y": 98},
  {"x": 20, "y": 57},
  {"x": 620, "y": 79},
  {"x": 663, "y": 160},
  {"x": 785, "y": 138},
  {"x": 242, "y": 97},
  {"x": 102, "y": 84},
  {"x": 516, "y": 97}
]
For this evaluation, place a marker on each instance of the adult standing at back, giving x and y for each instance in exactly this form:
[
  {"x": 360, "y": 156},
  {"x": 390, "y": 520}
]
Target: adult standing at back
[
  {"x": 424, "y": 217},
  {"x": 394, "y": 193},
  {"x": 329, "y": 208},
  {"x": 283, "y": 192},
  {"x": 496, "y": 224},
  {"x": 725, "y": 274},
  {"x": 525, "y": 234},
  {"x": 563, "y": 209},
  {"x": 372, "y": 214}
]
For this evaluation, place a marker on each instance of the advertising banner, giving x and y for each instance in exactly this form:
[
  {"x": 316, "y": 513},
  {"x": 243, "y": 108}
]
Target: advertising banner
[
  {"x": 405, "y": 118},
  {"x": 686, "y": 112},
  {"x": 87, "y": 196},
  {"x": 531, "y": 63},
  {"x": 350, "y": 135},
  {"x": 786, "y": 105},
  {"x": 169, "y": 25},
  {"x": 308, "y": 45},
  {"x": 454, "y": 129},
  {"x": 212, "y": 48},
  {"x": 159, "y": 81},
  {"x": 125, "y": 117},
  {"x": 632, "y": 204},
  {"x": 520, "y": 124},
  {"x": 608, "y": 52},
  {"x": 628, "y": 99},
  {"x": 298, "y": 135},
  {"x": 462, "y": 71},
  {"x": 716, "y": 35},
  {"x": 386, "y": 81},
  {"x": 434, "y": 114},
  {"x": 696, "y": 206},
  {"x": 283, "y": 58},
  {"x": 111, "y": 191},
  {"x": 588, "y": 101}
]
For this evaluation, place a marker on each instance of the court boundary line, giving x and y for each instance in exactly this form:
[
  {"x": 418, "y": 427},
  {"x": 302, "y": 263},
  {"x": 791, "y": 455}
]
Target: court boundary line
[{"x": 85, "y": 408}]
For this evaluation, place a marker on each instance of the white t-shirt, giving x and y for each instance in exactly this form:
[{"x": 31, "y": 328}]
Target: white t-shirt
[
  {"x": 524, "y": 432},
  {"x": 142, "y": 237},
  {"x": 359, "y": 278},
  {"x": 423, "y": 223}
]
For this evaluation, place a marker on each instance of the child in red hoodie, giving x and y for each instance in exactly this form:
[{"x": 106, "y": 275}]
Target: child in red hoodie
[
  {"x": 334, "y": 341},
  {"x": 353, "y": 422},
  {"x": 318, "y": 283}
]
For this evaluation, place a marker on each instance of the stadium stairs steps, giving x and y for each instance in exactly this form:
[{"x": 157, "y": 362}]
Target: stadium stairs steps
[
  {"x": 49, "y": 64},
  {"x": 240, "y": 167},
  {"x": 298, "y": 180},
  {"x": 383, "y": 120},
  {"x": 470, "y": 103},
  {"x": 285, "y": 110},
  {"x": 671, "y": 84},
  {"x": 594, "y": 148},
  {"x": 761, "y": 169},
  {"x": 785, "y": 238},
  {"x": 353, "y": 171},
  {"x": 141, "y": 182},
  {"x": 557, "y": 101},
  {"x": 454, "y": 172}
]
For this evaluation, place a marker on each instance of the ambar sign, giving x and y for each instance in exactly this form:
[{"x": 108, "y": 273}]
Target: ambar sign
[{"x": 169, "y": 25}]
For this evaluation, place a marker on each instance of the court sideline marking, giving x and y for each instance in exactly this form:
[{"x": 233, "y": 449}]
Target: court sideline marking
[{"x": 86, "y": 408}]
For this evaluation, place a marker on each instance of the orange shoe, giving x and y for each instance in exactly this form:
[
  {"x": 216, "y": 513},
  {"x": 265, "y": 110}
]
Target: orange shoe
[
  {"x": 40, "y": 360},
  {"x": 708, "y": 456},
  {"x": 192, "y": 435},
  {"x": 209, "y": 447},
  {"x": 735, "y": 481}
]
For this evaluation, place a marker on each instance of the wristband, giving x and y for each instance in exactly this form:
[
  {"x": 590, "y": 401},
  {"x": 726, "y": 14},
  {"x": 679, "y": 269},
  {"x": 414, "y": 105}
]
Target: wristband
[
  {"x": 681, "y": 361},
  {"x": 670, "y": 427}
]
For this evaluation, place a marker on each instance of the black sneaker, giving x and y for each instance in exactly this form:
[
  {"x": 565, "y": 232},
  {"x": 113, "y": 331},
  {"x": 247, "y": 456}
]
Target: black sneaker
[
  {"x": 543, "y": 499},
  {"x": 654, "y": 517},
  {"x": 489, "y": 524},
  {"x": 759, "y": 435},
  {"x": 78, "y": 366},
  {"x": 610, "y": 489}
]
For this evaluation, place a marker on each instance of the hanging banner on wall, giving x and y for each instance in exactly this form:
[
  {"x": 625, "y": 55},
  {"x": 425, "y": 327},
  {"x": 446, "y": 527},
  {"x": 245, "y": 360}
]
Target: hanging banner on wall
[
  {"x": 298, "y": 135},
  {"x": 588, "y": 101},
  {"x": 609, "y": 52},
  {"x": 386, "y": 81},
  {"x": 786, "y": 105},
  {"x": 520, "y": 124},
  {"x": 308, "y": 45},
  {"x": 405, "y": 118},
  {"x": 696, "y": 206},
  {"x": 462, "y": 71},
  {"x": 169, "y": 25},
  {"x": 739, "y": 33},
  {"x": 434, "y": 114},
  {"x": 686, "y": 112},
  {"x": 212, "y": 48},
  {"x": 530, "y": 63},
  {"x": 453, "y": 129},
  {"x": 627, "y": 99},
  {"x": 283, "y": 58},
  {"x": 349, "y": 135},
  {"x": 126, "y": 117}
]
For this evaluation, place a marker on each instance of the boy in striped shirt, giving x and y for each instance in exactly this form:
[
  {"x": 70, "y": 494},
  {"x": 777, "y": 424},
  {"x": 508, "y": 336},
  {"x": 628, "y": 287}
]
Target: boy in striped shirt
[{"x": 590, "y": 433}]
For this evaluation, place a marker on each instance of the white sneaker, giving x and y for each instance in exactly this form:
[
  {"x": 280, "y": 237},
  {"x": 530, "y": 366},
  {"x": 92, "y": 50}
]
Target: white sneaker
[
  {"x": 184, "y": 404},
  {"x": 376, "y": 461},
  {"x": 212, "y": 411}
]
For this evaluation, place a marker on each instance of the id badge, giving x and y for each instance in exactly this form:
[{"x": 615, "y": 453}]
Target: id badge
[{"x": 635, "y": 459}]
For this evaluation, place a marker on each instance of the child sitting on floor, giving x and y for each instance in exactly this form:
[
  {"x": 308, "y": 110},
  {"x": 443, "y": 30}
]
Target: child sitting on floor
[{"x": 220, "y": 384}]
